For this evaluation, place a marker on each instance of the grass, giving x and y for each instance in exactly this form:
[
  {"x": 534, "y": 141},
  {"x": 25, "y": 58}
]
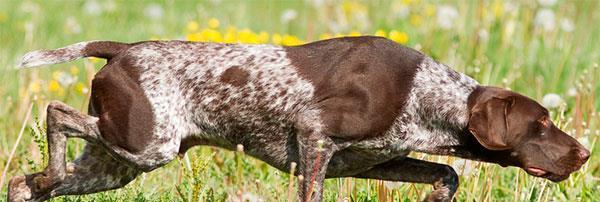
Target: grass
[{"x": 498, "y": 43}]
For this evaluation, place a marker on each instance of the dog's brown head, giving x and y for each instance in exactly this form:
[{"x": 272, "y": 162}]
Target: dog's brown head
[{"x": 503, "y": 120}]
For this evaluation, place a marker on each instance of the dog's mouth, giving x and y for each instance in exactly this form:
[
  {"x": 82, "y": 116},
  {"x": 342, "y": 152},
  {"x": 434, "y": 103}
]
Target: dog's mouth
[{"x": 538, "y": 172}]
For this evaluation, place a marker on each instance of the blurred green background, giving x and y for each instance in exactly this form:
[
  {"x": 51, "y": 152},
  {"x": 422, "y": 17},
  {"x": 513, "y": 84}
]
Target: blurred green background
[{"x": 546, "y": 49}]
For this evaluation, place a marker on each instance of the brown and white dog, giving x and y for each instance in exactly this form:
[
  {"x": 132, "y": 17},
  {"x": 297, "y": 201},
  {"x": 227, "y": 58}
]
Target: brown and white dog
[{"x": 345, "y": 107}]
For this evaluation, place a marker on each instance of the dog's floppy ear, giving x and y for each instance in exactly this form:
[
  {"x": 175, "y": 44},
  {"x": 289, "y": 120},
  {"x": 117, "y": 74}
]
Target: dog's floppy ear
[{"x": 488, "y": 123}]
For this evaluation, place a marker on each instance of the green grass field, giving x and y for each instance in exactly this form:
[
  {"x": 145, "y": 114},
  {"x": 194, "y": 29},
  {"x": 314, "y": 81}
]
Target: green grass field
[{"x": 548, "y": 51}]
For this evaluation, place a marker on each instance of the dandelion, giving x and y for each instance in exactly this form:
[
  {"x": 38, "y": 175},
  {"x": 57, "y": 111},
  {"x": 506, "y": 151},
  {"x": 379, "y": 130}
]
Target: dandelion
[
  {"x": 35, "y": 86},
  {"x": 192, "y": 26},
  {"x": 81, "y": 88},
  {"x": 154, "y": 11},
  {"x": 263, "y": 37},
  {"x": 54, "y": 86},
  {"x": 324, "y": 36},
  {"x": 400, "y": 37},
  {"x": 380, "y": 33},
  {"x": 585, "y": 140},
  {"x": 213, "y": 23},
  {"x": 566, "y": 25},
  {"x": 416, "y": 20},
  {"x": 429, "y": 10},
  {"x": 288, "y": 15},
  {"x": 211, "y": 35},
  {"x": 92, "y": 7},
  {"x": 74, "y": 70},
  {"x": 277, "y": 38},
  {"x": 547, "y": 3},
  {"x": 544, "y": 18},
  {"x": 551, "y": 100},
  {"x": 354, "y": 33},
  {"x": 446, "y": 16}
]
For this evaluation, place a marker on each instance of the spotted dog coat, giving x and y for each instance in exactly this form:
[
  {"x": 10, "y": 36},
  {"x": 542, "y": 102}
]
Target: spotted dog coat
[{"x": 346, "y": 107}]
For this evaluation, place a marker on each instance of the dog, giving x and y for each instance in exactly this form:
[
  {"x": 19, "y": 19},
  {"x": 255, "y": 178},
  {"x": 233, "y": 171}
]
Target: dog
[{"x": 344, "y": 107}]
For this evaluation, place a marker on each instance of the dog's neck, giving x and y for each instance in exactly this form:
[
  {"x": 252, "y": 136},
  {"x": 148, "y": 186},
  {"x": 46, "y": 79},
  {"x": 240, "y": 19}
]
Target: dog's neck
[{"x": 436, "y": 112}]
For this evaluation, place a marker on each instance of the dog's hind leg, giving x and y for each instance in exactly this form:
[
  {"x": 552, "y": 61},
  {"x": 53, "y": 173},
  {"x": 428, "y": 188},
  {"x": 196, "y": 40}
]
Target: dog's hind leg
[
  {"x": 443, "y": 177},
  {"x": 93, "y": 171}
]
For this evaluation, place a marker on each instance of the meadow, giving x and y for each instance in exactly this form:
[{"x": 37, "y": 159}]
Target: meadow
[{"x": 548, "y": 50}]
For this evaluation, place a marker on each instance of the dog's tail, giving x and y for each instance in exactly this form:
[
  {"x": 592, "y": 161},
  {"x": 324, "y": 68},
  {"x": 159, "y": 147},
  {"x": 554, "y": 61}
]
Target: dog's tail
[{"x": 101, "y": 49}]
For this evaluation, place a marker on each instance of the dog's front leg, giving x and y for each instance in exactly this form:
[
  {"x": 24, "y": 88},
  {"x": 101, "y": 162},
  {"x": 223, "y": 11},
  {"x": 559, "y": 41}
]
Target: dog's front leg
[
  {"x": 315, "y": 151},
  {"x": 443, "y": 177}
]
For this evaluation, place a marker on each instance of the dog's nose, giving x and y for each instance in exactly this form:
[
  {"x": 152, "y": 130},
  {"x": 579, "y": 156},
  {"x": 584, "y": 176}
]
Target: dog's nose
[{"x": 583, "y": 154}]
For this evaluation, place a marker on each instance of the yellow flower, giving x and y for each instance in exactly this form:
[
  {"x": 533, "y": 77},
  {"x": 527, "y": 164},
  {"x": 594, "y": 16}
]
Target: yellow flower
[
  {"x": 290, "y": 40},
  {"x": 380, "y": 33},
  {"x": 81, "y": 88},
  {"x": 211, "y": 35},
  {"x": 354, "y": 33},
  {"x": 35, "y": 86},
  {"x": 95, "y": 59},
  {"x": 498, "y": 9},
  {"x": 407, "y": 2},
  {"x": 213, "y": 23},
  {"x": 325, "y": 36},
  {"x": 54, "y": 86},
  {"x": 416, "y": 20},
  {"x": 400, "y": 37},
  {"x": 194, "y": 37},
  {"x": 74, "y": 70},
  {"x": 429, "y": 10},
  {"x": 277, "y": 39},
  {"x": 263, "y": 37},
  {"x": 230, "y": 35},
  {"x": 247, "y": 36},
  {"x": 192, "y": 26}
]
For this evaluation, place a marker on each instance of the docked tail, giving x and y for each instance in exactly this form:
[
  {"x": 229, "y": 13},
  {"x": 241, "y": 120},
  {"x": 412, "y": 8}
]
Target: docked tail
[{"x": 101, "y": 49}]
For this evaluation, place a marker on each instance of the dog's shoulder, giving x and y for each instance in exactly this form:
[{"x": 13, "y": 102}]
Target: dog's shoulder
[{"x": 361, "y": 83}]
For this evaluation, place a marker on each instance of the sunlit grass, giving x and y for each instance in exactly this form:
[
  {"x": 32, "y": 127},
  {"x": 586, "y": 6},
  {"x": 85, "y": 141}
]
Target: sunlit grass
[{"x": 532, "y": 48}]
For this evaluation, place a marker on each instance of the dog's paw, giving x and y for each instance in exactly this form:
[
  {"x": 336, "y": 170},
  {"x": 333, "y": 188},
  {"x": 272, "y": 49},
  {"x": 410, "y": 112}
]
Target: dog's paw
[
  {"x": 18, "y": 191},
  {"x": 439, "y": 195}
]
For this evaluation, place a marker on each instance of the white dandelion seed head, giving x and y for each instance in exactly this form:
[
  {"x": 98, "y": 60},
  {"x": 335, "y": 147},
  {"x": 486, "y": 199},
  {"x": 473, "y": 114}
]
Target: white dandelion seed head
[
  {"x": 446, "y": 16},
  {"x": 65, "y": 79},
  {"x": 567, "y": 25},
  {"x": 392, "y": 184},
  {"x": 154, "y": 11},
  {"x": 483, "y": 34},
  {"x": 585, "y": 141},
  {"x": 544, "y": 18},
  {"x": 72, "y": 25},
  {"x": 465, "y": 167},
  {"x": 92, "y": 7},
  {"x": 288, "y": 15},
  {"x": 572, "y": 92},
  {"x": 551, "y": 100}
]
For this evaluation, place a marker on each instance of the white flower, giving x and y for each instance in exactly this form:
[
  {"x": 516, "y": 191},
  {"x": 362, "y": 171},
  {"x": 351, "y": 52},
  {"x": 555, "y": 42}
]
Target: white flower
[
  {"x": 572, "y": 92},
  {"x": 483, "y": 34},
  {"x": 446, "y": 16},
  {"x": 288, "y": 15},
  {"x": 154, "y": 11},
  {"x": 72, "y": 26},
  {"x": 551, "y": 100},
  {"x": 547, "y": 3},
  {"x": 545, "y": 18},
  {"x": 92, "y": 7},
  {"x": 585, "y": 141},
  {"x": 65, "y": 79},
  {"x": 463, "y": 166},
  {"x": 392, "y": 184},
  {"x": 566, "y": 25},
  {"x": 400, "y": 10}
]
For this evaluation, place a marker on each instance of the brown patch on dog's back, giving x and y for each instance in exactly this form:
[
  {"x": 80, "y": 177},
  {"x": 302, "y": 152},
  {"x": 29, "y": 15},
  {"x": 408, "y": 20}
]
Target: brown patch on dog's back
[{"x": 235, "y": 76}]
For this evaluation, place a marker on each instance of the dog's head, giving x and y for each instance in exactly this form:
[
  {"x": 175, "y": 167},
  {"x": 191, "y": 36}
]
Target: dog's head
[{"x": 503, "y": 120}]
